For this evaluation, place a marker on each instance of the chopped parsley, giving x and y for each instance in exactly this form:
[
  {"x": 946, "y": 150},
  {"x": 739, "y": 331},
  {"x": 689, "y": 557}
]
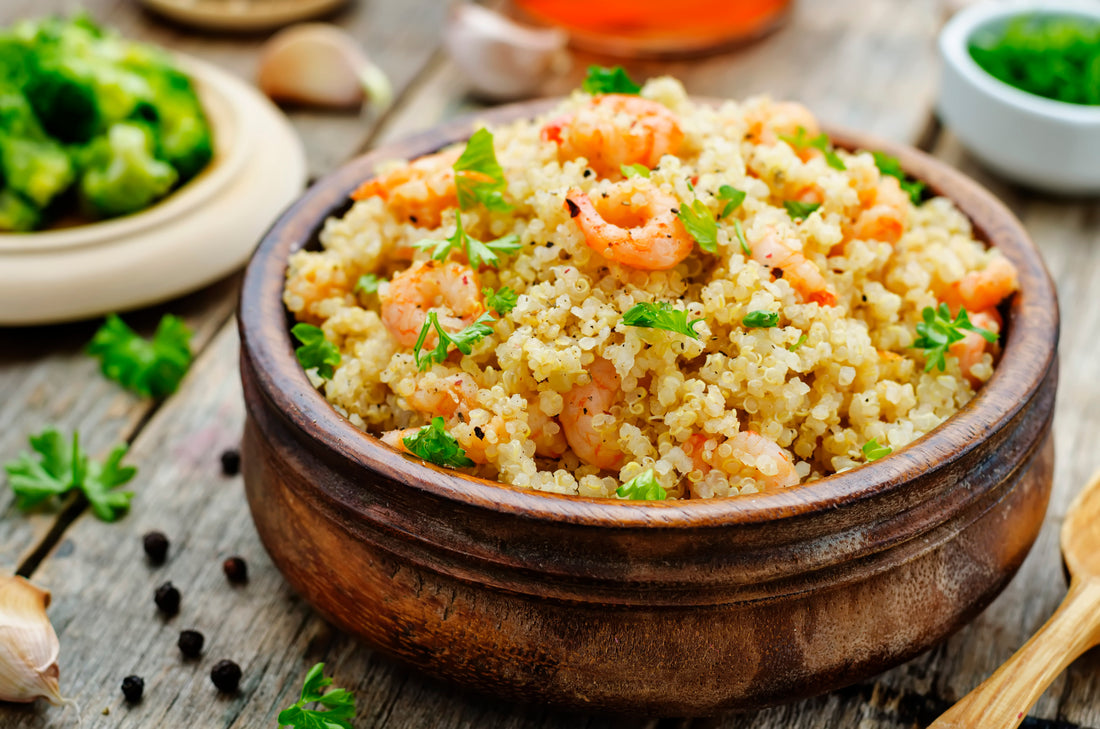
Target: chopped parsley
[
  {"x": 434, "y": 444},
  {"x": 699, "y": 222},
  {"x": 339, "y": 705},
  {"x": 367, "y": 284},
  {"x": 761, "y": 319},
  {"x": 477, "y": 253},
  {"x": 801, "y": 340},
  {"x": 151, "y": 368},
  {"x": 800, "y": 210},
  {"x": 62, "y": 467},
  {"x": 634, "y": 170},
  {"x": 821, "y": 142},
  {"x": 872, "y": 451},
  {"x": 890, "y": 166},
  {"x": 315, "y": 351},
  {"x": 464, "y": 339},
  {"x": 660, "y": 315},
  {"x": 938, "y": 332},
  {"x": 733, "y": 198},
  {"x": 602, "y": 80},
  {"x": 643, "y": 487},
  {"x": 479, "y": 178},
  {"x": 501, "y": 301}
]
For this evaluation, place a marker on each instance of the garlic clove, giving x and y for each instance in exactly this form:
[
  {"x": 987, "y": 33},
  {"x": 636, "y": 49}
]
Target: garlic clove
[
  {"x": 28, "y": 644},
  {"x": 503, "y": 59},
  {"x": 317, "y": 64}
]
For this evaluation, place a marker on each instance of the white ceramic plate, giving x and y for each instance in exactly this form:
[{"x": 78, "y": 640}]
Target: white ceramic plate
[
  {"x": 195, "y": 236},
  {"x": 242, "y": 15}
]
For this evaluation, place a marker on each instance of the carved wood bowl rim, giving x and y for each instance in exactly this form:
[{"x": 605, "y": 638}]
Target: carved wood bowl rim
[{"x": 1029, "y": 354}]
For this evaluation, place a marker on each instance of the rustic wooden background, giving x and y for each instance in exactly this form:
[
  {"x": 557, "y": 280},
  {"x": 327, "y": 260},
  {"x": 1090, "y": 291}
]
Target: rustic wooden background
[{"x": 868, "y": 64}]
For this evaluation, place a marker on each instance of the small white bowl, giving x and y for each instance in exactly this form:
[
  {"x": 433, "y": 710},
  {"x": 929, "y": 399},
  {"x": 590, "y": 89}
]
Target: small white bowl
[{"x": 1038, "y": 142}]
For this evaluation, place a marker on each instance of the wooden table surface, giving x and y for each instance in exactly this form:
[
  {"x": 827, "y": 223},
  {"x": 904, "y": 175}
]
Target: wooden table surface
[{"x": 871, "y": 65}]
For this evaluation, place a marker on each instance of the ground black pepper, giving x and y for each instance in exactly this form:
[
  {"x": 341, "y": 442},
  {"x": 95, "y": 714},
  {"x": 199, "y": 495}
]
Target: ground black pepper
[
  {"x": 167, "y": 598},
  {"x": 231, "y": 462},
  {"x": 236, "y": 570},
  {"x": 226, "y": 676},
  {"x": 190, "y": 643},
  {"x": 132, "y": 688},
  {"x": 156, "y": 547}
]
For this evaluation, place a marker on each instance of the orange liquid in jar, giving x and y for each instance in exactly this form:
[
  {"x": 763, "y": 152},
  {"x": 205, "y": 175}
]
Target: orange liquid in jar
[{"x": 658, "y": 25}]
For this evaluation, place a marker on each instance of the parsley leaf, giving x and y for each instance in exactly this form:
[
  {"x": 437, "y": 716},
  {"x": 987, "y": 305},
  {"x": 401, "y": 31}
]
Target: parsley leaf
[
  {"x": 660, "y": 315},
  {"x": 800, "y": 210},
  {"x": 872, "y": 451},
  {"x": 501, "y": 301},
  {"x": 339, "y": 705},
  {"x": 888, "y": 165},
  {"x": 643, "y": 487},
  {"x": 149, "y": 368},
  {"x": 801, "y": 140},
  {"x": 602, "y": 80},
  {"x": 435, "y": 445},
  {"x": 316, "y": 351},
  {"x": 801, "y": 340},
  {"x": 761, "y": 319},
  {"x": 740, "y": 233},
  {"x": 64, "y": 467},
  {"x": 938, "y": 332},
  {"x": 367, "y": 284},
  {"x": 734, "y": 198},
  {"x": 700, "y": 224},
  {"x": 634, "y": 170},
  {"x": 464, "y": 339},
  {"x": 477, "y": 253},
  {"x": 479, "y": 178}
]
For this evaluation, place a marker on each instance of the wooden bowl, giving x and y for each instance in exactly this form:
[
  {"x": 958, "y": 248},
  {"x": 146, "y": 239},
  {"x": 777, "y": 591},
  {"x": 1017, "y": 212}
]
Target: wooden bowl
[{"x": 679, "y": 608}]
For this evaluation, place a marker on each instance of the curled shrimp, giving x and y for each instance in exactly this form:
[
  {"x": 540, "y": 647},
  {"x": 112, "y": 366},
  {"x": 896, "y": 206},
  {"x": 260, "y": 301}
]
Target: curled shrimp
[
  {"x": 646, "y": 235},
  {"x": 983, "y": 290},
  {"x": 616, "y": 130},
  {"x": 418, "y": 191},
  {"x": 746, "y": 454},
  {"x": 450, "y": 289},
  {"x": 789, "y": 264},
  {"x": 972, "y": 346},
  {"x": 885, "y": 214},
  {"x": 767, "y": 122},
  {"x": 581, "y": 405}
]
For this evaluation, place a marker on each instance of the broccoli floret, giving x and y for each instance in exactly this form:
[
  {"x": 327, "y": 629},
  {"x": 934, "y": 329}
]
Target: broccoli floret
[
  {"x": 16, "y": 213},
  {"x": 33, "y": 165},
  {"x": 121, "y": 174}
]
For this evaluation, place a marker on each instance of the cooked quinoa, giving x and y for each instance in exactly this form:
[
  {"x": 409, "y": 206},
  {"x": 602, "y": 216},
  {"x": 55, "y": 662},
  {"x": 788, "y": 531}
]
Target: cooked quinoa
[{"x": 821, "y": 384}]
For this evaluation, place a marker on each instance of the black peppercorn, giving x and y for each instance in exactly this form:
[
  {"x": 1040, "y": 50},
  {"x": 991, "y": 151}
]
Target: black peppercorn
[
  {"x": 231, "y": 462},
  {"x": 190, "y": 643},
  {"x": 156, "y": 546},
  {"x": 167, "y": 598},
  {"x": 226, "y": 676},
  {"x": 236, "y": 569},
  {"x": 132, "y": 688}
]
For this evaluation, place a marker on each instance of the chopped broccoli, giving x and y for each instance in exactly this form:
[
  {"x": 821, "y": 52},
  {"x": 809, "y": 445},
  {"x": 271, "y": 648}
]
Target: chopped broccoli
[
  {"x": 32, "y": 164},
  {"x": 121, "y": 174},
  {"x": 16, "y": 213}
]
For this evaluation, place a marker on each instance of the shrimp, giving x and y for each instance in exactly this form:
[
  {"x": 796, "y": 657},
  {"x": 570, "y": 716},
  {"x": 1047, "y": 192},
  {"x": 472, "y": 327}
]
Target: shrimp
[
  {"x": 450, "y": 289},
  {"x": 768, "y": 122},
  {"x": 546, "y": 432},
  {"x": 983, "y": 290},
  {"x": 746, "y": 454},
  {"x": 617, "y": 130},
  {"x": 419, "y": 191},
  {"x": 801, "y": 273},
  {"x": 885, "y": 214},
  {"x": 648, "y": 236},
  {"x": 970, "y": 348},
  {"x": 581, "y": 405}
]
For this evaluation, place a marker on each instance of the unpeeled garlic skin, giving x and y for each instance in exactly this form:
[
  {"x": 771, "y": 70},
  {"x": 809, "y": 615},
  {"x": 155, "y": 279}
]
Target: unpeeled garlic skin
[{"x": 28, "y": 644}]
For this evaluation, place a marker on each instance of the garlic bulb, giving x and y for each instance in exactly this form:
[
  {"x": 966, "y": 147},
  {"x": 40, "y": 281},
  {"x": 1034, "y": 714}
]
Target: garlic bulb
[
  {"x": 28, "y": 644},
  {"x": 502, "y": 59},
  {"x": 320, "y": 65}
]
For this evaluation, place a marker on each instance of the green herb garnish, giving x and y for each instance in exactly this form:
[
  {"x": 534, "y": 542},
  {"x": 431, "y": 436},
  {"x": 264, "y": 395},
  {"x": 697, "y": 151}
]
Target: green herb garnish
[
  {"x": 733, "y": 198},
  {"x": 435, "y": 445},
  {"x": 477, "y": 253},
  {"x": 149, "y": 368},
  {"x": 635, "y": 170},
  {"x": 699, "y": 222},
  {"x": 64, "y": 467},
  {"x": 761, "y": 319},
  {"x": 938, "y": 332},
  {"x": 820, "y": 142},
  {"x": 479, "y": 178},
  {"x": 339, "y": 705},
  {"x": 801, "y": 340},
  {"x": 660, "y": 315},
  {"x": 872, "y": 451},
  {"x": 602, "y": 80},
  {"x": 367, "y": 284},
  {"x": 888, "y": 165},
  {"x": 501, "y": 301},
  {"x": 800, "y": 210},
  {"x": 643, "y": 487},
  {"x": 464, "y": 339},
  {"x": 739, "y": 232},
  {"x": 315, "y": 351}
]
